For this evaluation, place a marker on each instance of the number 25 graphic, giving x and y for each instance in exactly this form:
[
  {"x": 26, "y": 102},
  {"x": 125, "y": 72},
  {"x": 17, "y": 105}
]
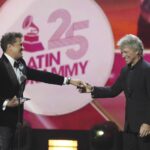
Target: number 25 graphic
[{"x": 68, "y": 30}]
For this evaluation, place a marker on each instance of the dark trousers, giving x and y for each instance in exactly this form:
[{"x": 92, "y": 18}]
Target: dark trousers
[
  {"x": 132, "y": 141},
  {"x": 6, "y": 138}
]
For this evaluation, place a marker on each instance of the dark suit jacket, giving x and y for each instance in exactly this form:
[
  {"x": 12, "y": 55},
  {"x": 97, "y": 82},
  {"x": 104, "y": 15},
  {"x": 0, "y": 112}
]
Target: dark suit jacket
[
  {"x": 135, "y": 82},
  {"x": 9, "y": 87}
]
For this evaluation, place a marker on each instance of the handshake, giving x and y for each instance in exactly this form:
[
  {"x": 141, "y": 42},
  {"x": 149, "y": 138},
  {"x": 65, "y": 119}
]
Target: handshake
[{"x": 82, "y": 86}]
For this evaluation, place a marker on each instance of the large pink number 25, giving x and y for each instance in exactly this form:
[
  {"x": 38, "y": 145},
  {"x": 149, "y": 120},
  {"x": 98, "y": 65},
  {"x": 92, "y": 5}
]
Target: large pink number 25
[{"x": 68, "y": 30}]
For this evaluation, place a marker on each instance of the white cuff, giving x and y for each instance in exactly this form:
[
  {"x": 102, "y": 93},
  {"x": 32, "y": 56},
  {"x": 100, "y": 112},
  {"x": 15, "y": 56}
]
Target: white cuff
[
  {"x": 5, "y": 104},
  {"x": 65, "y": 80}
]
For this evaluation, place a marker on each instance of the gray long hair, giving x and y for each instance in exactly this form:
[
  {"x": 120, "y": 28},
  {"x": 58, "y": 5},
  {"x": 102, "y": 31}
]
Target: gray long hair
[{"x": 132, "y": 42}]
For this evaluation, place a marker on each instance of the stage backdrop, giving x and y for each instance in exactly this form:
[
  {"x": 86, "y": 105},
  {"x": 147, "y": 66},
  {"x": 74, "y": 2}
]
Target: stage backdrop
[{"x": 78, "y": 40}]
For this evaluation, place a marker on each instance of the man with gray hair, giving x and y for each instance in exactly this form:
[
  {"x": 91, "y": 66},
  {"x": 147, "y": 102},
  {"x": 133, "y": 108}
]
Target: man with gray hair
[{"x": 134, "y": 81}]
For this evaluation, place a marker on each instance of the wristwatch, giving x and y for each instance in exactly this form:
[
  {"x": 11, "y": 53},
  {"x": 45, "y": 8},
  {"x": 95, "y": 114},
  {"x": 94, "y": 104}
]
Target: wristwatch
[{"x": 68, "y": 80}]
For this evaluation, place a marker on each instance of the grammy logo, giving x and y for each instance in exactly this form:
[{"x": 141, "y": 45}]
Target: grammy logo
[{"x": 31, "y": 39}]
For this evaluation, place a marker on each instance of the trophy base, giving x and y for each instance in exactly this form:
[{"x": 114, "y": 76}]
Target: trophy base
[{"x": 33, "y": 47}]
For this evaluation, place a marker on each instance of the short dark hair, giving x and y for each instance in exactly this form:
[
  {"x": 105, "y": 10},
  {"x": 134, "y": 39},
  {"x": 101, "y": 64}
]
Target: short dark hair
[{"x": 9, "y": 38}]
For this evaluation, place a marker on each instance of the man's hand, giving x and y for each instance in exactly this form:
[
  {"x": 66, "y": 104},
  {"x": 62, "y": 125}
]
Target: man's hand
[
  {"x": 13, "y": 102},
  {"x": 82, "y": 86},
  {"x": 144, "y": 130},
  {"x": 85, "y": 88},
  {"x": 76, "y": 82}
]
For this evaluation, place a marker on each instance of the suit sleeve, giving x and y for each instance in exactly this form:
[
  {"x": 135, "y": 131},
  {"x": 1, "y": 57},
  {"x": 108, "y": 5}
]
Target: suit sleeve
[
  {"x": 106, "y": 92},
  {"x": 1, "y": 88},
  {"x": 147, "y": 75},
  {"x": 1, "y": 98},
  {"x": 45, "y": 77}
]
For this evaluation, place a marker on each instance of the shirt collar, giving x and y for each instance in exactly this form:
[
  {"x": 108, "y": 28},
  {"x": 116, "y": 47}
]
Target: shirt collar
[
  {"x": 11, "y": 60},
  {"x": 137, "y": 64}
]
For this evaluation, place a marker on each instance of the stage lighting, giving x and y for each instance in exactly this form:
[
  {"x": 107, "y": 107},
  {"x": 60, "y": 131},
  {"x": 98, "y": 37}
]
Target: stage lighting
[
  {"x": 99, "y": 133},
  {"x": 55, "y": 144},
  {"x": 102, "y": 136}
]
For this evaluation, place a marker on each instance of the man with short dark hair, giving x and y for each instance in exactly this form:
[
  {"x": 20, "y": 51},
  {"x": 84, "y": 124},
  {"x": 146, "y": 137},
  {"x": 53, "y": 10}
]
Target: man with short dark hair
[{"x": 13, "y": 76}]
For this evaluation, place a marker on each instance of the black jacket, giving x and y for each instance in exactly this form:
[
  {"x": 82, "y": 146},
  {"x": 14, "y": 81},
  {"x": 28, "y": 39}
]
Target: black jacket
[
  {"x": 9, "y": 87},
  {"x": 135, "y": 82}
]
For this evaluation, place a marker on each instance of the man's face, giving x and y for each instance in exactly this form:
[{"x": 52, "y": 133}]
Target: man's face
[
  {"x": 131, "y": 56},
  {"x": 16, "y": 49}
]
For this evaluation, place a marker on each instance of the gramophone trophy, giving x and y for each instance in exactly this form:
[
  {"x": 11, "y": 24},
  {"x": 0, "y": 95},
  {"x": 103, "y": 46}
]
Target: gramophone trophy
[{"x": 31, "y": 39}]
